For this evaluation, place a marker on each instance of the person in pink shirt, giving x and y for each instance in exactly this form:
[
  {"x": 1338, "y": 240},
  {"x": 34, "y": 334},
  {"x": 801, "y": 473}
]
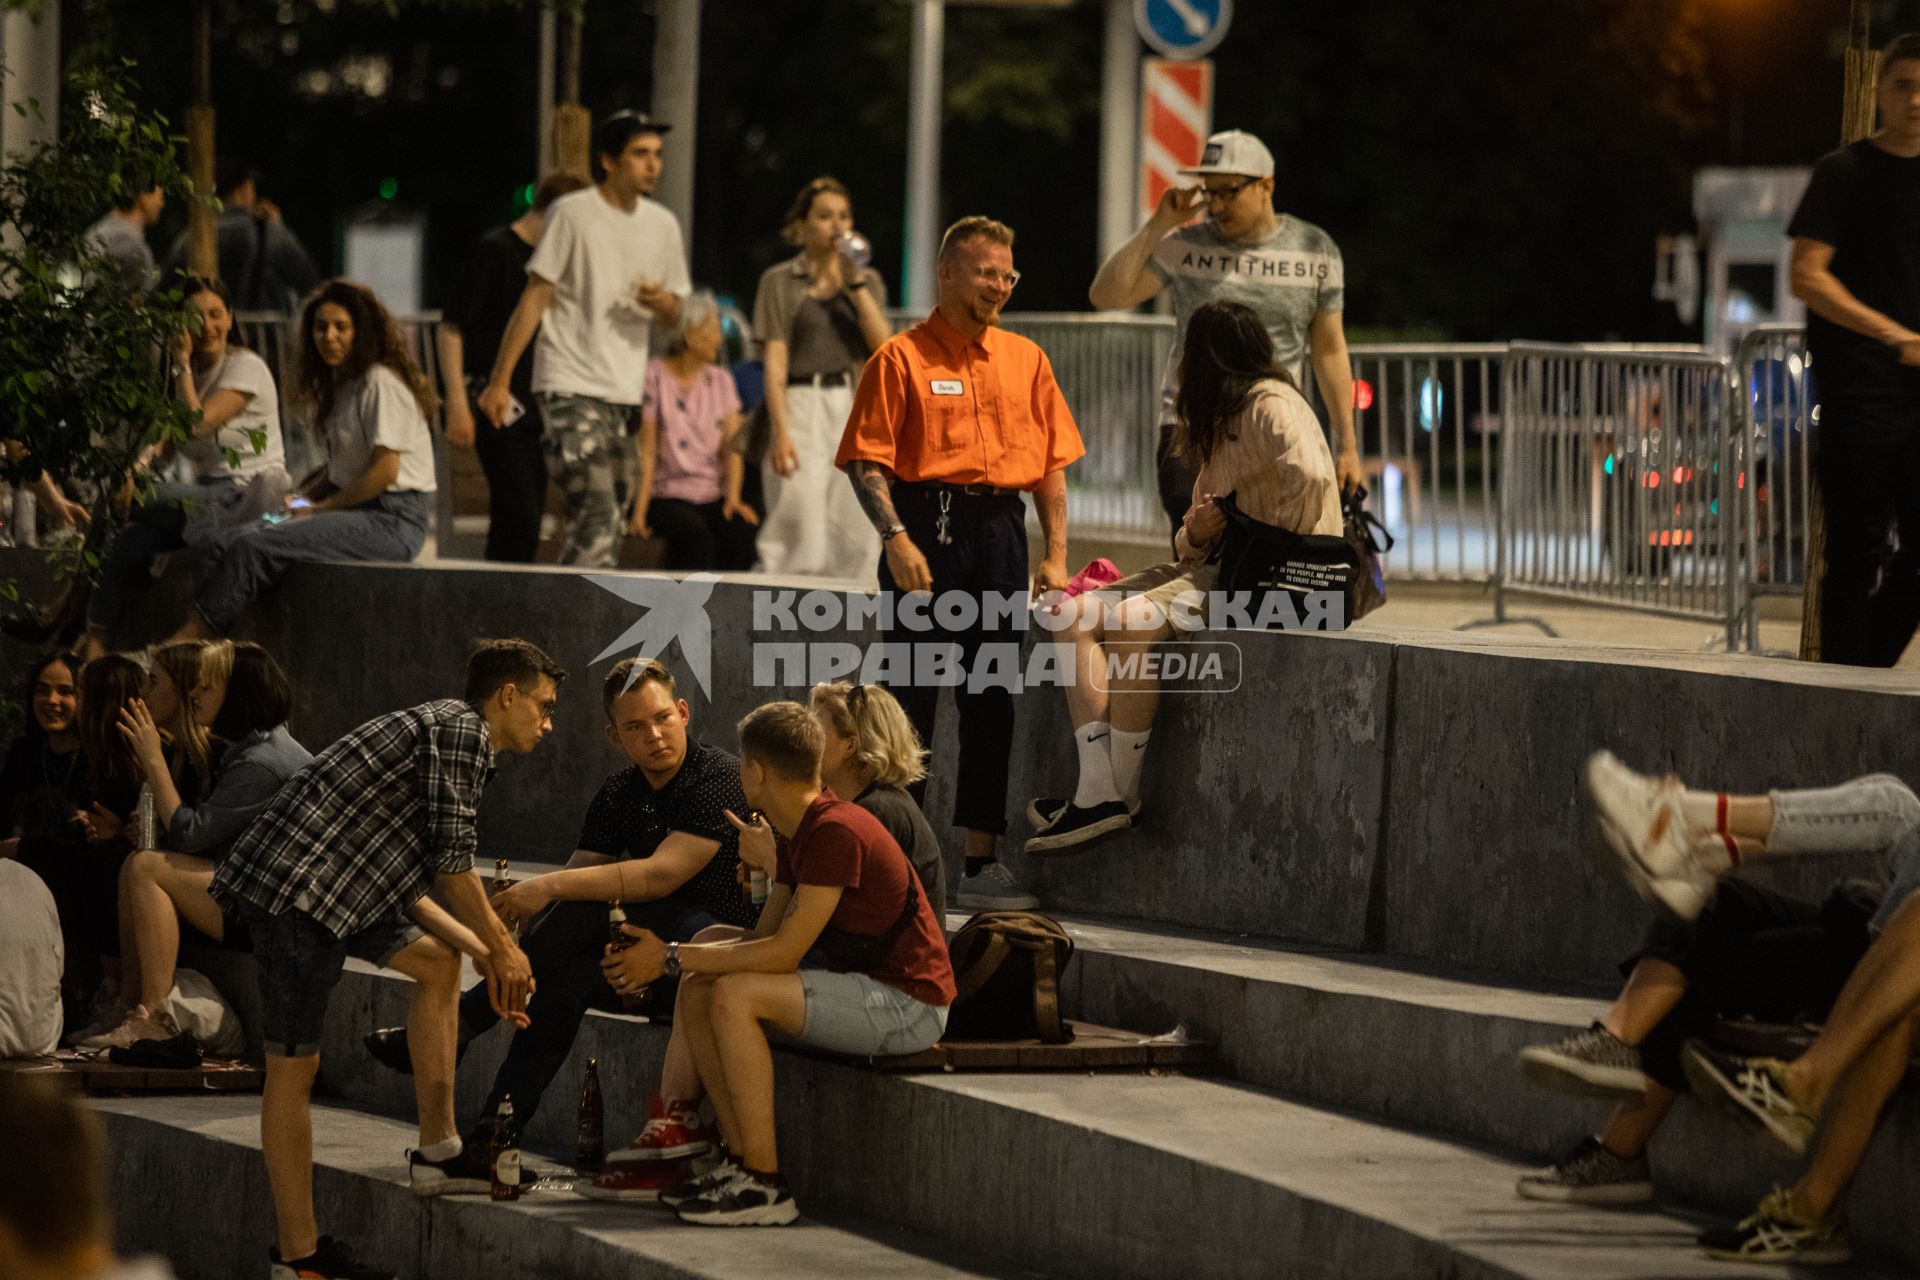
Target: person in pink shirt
[{"x": 689, "y": 472}]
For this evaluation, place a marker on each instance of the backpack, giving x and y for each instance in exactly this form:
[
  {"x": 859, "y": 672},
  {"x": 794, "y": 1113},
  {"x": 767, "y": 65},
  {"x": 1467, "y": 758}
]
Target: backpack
[{"x": 1006, "y": 969}]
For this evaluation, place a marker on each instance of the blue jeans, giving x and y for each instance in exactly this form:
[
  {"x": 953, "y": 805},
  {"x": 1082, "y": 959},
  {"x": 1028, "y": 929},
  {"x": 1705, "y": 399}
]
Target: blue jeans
[
  {"x": 236, "y": 568},
  {"x": 153, "y": 527},
  {"x": 564, "y": 947}
]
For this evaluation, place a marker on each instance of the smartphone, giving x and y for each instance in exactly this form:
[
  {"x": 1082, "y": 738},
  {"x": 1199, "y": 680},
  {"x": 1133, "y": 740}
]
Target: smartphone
[
  {"x": 299, "y": 503},
  {"x": 276, "y": 517},
  {"x": 515, "y": 411}
]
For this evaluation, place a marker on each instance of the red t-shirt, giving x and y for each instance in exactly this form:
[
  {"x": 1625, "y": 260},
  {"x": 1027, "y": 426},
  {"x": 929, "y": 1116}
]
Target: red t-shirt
[{"x": 840, "y": 845}]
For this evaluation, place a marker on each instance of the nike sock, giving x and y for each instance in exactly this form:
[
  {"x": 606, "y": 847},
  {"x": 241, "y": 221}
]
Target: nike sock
[
  {"x": 1126, "y": 751},
  {"x": 1706, "y": 815},
  {"x": 445, "y": 1149},
  {"x": 1096, "y": 768}
]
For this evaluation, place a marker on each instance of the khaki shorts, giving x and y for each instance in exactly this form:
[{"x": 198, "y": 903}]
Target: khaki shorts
[{"x": 1166, "y": 583}]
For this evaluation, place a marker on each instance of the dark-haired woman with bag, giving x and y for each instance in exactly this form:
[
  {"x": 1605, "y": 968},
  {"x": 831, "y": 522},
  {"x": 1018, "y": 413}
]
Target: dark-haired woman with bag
[{"x": 1254, "y": 437}]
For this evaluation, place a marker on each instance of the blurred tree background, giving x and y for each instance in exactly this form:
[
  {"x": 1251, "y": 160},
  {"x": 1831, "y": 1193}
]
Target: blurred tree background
[{"x": 1491, "y": 168}]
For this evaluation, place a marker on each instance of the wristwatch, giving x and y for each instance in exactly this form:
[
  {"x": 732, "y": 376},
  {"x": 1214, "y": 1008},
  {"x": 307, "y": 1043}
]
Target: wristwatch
[
  {"x": 887, "y": 536},
  {"x": 672, "y": 966}
]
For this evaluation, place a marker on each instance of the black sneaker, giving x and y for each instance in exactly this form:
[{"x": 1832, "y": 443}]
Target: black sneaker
[
  {"x": 1044, "y": 811},
  {"x": 1753, "y": 1089},
  {"x": 1777, "y": 1233},
  {"x": 1591, "y": 1174},
  {"x": 1077, "y": 828},
  {"x": 705, "y": 1184},
  {"x": 1593, "y": 1063},
  {"x": 742, "y": 1201},
  {"x": 467, "y": 1174},
  {"x": 388, "y": 1047},
  {"x": 329, "y": 1261}
]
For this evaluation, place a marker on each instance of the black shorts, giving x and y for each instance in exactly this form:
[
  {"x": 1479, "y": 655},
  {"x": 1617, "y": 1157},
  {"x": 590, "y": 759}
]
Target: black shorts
[{"x": 300, "y": 962}]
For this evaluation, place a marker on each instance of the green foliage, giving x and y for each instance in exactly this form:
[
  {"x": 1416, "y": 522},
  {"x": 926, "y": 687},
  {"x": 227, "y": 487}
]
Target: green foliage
[{"x": 82, "y": 391}]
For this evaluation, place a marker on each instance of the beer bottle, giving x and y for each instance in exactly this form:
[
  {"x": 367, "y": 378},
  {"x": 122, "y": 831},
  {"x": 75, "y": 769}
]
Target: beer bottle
[
  {"x": 590, "y": 1134},
  {"x": 631, "y": 1001},
  {"x": 503, "y": 1154}
]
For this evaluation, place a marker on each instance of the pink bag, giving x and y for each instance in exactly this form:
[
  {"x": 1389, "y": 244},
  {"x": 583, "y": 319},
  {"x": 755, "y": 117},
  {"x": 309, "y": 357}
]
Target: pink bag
[{"x": 1097, "y": 574}]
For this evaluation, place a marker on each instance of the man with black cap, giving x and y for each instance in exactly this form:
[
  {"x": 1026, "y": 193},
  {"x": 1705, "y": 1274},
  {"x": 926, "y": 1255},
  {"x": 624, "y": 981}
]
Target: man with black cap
[
  {"x": 610, "y": 266},
  {"x": 1285, "y": 268}
]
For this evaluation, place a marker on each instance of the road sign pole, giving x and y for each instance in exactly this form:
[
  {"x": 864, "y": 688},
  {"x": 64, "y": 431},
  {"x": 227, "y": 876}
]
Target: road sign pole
[
  {"x": 1119, "y": 128},
  {"x": 923, "y": 155}
]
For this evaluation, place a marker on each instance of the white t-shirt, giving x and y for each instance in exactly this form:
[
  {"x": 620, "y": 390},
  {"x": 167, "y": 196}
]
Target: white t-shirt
[
  {"x": 378, "y": 410},
  {"x": 246, "y": 373},
  {"x": 594, "y": 338},
  {"x": 31, "y": 957}
]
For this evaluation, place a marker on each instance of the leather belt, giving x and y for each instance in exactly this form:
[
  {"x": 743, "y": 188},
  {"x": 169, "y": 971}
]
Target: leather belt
[{"x": 970, "y": 490}]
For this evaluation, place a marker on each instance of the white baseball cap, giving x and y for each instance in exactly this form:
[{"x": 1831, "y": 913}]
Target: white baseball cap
[{"x": 1236, "y": 152}]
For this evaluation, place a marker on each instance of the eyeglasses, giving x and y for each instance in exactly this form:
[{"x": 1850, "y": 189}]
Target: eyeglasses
[
  {"x": 993, "y": 276},
  {"x": 547, "y": 707},
  {"x": 1228, "y": 192}
]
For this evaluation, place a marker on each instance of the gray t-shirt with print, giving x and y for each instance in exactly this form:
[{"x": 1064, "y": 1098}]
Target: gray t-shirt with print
[{"x": 1289, "y": 278}]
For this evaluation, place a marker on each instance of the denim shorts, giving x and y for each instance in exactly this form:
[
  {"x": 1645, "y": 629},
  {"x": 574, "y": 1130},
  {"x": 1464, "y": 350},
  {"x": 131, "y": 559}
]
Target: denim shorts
[
  {"x": 300, "y": 962},
  {"x": 853, "y": 1013}
]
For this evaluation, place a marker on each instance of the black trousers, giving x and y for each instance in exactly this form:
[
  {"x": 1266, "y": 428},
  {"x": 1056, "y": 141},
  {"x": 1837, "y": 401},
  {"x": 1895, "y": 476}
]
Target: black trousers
[
  {"x": 699, "y": 537},
  {"x": 1868, "y": 466},
  {"x": 1753, "y": 953},
  {"x": 516, "y": 469},
  {"x": 564, "y": 947},
  {"x": 986, "y": 551}
]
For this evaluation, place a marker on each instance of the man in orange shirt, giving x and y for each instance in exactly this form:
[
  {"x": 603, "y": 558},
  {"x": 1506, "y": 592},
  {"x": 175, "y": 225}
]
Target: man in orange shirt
[{"x": 953, "y": 421}]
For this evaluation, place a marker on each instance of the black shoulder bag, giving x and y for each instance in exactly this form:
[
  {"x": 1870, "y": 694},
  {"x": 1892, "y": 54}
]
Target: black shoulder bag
[{"x": 1259, "y": 558}]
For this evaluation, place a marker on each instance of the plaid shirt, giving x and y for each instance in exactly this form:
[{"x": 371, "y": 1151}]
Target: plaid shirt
[{"x": 358, "y": 834}]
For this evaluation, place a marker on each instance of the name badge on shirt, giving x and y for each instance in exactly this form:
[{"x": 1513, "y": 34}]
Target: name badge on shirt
[{"x": 948, "y": 387}]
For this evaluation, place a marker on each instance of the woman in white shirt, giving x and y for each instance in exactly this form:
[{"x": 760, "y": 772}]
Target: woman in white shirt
[
  {"x": 1240, "y": 417},
  {"x": 373, "y": 499},
  {"x": 236, "y": 453}
]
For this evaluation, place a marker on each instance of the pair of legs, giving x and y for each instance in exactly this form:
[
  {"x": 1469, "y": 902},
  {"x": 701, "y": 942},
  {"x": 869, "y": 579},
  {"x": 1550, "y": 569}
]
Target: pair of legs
[
  {"x": 300, "y": 963},
  {"x": 237, "y": 567},
  {"x": 722, "y": 1022},
  {"x": 159, "y": 890},
  {"x": 699, "y": 536},
  {"x": 1107, "y": 635},
  {"x": 590, "y": 455},
  {"x": 564, "y": 948},
  {"x": 151, "y": 529},
  {"x": 1868, "y": 468},
  {"x": 975, "y": 544},
  {"x": 515, "y": 464}
]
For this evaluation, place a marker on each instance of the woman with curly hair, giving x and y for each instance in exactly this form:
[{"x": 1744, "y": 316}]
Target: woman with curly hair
[{"x": 373, "y": 499}]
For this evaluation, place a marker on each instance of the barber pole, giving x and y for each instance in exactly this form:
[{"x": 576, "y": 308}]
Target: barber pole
[{"x": 1176, "y": 117}]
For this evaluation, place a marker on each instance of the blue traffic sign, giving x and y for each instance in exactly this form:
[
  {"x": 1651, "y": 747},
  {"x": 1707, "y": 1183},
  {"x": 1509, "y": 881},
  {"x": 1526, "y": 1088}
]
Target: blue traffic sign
[{"x": 1182, "y": 28}]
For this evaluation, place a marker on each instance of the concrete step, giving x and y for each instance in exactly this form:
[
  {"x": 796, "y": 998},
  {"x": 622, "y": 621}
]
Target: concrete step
[
  {"x": 1103, "y": 1175},
  {"x": 188, "y": 1182}
]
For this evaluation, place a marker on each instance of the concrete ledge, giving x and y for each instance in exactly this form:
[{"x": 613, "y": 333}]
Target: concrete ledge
[{"x": 218, "y": 1222}]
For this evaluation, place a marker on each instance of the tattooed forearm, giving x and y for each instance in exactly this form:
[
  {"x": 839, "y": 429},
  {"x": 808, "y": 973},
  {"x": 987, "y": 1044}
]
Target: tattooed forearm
[
  {"x": 1050, "y": 503},
  {"x": 873, "y": 485}
]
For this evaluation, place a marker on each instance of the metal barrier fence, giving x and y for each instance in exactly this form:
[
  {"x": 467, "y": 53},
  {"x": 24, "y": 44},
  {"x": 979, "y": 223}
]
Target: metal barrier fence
[
  {"x": 1621, "y": 483},
  {"x": 1778, "y": 413}
]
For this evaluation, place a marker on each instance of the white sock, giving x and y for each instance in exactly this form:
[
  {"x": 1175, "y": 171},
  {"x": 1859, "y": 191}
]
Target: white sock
[
  {"x": 445, "y": 1149},
  {"x": 1126, "y": 751},
  {"x": 1096, "y": 770}
]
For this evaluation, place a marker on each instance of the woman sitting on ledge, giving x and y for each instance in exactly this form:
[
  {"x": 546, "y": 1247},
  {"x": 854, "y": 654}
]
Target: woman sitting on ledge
[
  {"x": 1241, "y": 418},
  {"x": 373, "y": 499}
]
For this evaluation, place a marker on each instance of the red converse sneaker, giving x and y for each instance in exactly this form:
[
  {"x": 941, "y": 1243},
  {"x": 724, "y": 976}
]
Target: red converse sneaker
[
  {"x": 674, "y": 1132},
  {"x": 638, "y": 1182}
]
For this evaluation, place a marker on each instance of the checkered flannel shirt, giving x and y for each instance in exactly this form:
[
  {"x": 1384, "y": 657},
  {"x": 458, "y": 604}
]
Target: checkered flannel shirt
[{"x": 358, "y": 834}]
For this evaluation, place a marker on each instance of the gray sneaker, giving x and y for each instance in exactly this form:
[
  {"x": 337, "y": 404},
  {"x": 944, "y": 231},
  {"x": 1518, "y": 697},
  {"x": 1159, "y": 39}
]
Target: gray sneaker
[
  {"x": 994, "y": 889},
  {"x": 1593, "y": 1063},
  {"x": 1590, "y": 1174}
]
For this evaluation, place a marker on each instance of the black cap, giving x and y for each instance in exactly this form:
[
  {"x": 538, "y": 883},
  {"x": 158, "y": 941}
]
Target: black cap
[{"x": 610, "y": 138}]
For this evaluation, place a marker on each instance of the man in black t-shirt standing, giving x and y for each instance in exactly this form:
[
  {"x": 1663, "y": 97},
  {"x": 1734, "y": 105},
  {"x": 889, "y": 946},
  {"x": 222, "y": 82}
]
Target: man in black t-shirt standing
[
  {"x": 1856, "y": 265},
  {"x": 490, "y": 286},
  {"x": 656, "y": 838}
]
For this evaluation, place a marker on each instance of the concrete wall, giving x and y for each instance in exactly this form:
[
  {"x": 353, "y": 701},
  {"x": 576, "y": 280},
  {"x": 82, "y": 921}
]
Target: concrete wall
[{"x": 1414, "y": 792}]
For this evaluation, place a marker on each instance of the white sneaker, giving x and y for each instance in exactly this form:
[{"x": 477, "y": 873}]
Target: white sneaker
[
  {"x": 1661, "y": 857},
  {"x": 994, "y": 889}
]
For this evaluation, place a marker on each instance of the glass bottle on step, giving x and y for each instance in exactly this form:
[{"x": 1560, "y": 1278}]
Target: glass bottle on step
[
  {"x": 590, "y": 1133},
  {"x": 503, "y": 1154}
]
